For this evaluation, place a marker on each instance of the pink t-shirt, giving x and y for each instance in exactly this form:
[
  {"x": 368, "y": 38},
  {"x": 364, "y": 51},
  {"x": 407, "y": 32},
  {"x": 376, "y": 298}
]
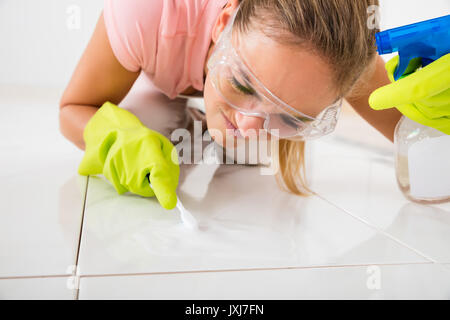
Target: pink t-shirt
[{"x": 167, "y": 39}]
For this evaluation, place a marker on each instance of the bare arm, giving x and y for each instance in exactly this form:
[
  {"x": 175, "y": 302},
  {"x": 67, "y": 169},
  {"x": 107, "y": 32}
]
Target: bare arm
[
  {"x": 376, "y": 77},
  {"x": 98, "y": 78}
]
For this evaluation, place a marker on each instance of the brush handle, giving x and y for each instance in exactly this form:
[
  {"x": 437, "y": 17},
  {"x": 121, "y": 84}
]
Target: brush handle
[{"x": 187, "y": 218}]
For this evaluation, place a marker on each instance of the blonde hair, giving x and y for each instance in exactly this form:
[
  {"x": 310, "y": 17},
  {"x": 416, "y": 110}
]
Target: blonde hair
[{"x": 336, "y": 30}]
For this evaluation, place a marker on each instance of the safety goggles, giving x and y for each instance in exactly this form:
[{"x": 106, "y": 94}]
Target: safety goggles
[{"x": 237, "y": 85}]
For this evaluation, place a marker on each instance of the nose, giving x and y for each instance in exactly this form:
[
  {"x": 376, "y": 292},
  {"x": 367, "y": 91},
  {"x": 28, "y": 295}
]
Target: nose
[{"x": 248, "y": 125}]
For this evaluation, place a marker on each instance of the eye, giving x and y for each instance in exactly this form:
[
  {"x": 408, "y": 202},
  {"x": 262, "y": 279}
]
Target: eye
[{"x": 240, "y": 87}]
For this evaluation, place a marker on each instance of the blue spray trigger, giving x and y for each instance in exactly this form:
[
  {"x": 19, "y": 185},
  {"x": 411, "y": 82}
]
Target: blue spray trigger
[
  {"x": 402, "y": 66},
  {"x": 428, "y": 40},
  {"x": 419, "y": 50}
]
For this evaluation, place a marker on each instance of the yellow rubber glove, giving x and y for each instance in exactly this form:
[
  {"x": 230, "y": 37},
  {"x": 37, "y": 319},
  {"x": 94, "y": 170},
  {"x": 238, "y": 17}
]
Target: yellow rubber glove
[
  {"x": 423, "y": 96},
  {"x": 127, "y": 153}
]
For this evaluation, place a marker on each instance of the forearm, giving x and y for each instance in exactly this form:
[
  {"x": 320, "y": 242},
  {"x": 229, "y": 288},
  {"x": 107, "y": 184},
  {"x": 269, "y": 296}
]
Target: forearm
[
  {"x": 73, "y": 120},
  {"x": 98, "y": 77},
  {"x": 384, "y": 121}
]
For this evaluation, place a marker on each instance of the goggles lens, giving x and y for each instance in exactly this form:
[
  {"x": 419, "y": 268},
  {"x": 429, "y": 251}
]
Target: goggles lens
[{"x": 240, "y": 94}]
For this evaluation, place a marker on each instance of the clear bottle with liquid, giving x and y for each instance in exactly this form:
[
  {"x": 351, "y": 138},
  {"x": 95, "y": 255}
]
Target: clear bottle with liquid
[{"x": 422, "y": 162}]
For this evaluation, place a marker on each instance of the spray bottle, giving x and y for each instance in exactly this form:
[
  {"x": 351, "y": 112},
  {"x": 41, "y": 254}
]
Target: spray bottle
[{"x": 422, "y": 153}]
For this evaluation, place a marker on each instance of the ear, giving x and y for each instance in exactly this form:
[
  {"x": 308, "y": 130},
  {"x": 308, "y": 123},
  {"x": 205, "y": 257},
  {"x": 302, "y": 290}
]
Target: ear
[{"x": 223, "y": 19}]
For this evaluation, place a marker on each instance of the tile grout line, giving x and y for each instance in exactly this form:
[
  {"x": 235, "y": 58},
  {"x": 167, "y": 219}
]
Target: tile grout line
[
  {"x": 35, "y": 277},
  {"x": 77, "y": 289},
  {"x": 249, "y": 270},
  {"x": 379, "y": 230},
  {"x": 445, "y": 265}
]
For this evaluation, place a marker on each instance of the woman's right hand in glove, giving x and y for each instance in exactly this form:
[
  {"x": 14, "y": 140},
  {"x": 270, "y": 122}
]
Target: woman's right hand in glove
[
  {"x": 128, "y": 154},
  {"x": 423, "y": 96}
]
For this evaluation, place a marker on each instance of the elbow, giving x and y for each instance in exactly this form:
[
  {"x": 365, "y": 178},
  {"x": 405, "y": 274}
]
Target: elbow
[
  {"x": 63, "y": 125},
  {"x": 62, "y": 118},
  {"x": 67, "y": 128}
]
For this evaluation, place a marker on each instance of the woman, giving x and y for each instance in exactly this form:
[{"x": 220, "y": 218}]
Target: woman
[{"x": 279, "y": 66}]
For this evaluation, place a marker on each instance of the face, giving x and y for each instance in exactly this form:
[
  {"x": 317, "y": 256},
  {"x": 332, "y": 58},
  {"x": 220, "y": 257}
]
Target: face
[{"x": 298, "y": 77}]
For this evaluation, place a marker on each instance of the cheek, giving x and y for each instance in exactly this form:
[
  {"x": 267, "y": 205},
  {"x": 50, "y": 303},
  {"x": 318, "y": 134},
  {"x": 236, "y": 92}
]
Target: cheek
[
  {"x": 211, "y": 105},
  {"x": 214, "y": 117}
]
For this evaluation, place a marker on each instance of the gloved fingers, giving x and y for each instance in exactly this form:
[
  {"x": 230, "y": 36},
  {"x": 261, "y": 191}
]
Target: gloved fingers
[
  {"x": 427, "y": 82},
  {"x": 164, "y": 174},
  {"x": 435, "y": 107},
  {"x": 143, "y": 189},
  {"x": 441, "y": 124},
  {"x": 84, "y": 168},
  {"x": 139, "y": 160},
  {"x": 168, "y": 150},
  {"x": 172, "y": 159},
  {"x": 133, "y": 173},
  {"x": 164, "y": 183},
  {"x": 391, "y": 66},
  {"x": 88, "y": 165},
  {"x": 111, "y": 173},
  {"x": 140, "y": 184}
]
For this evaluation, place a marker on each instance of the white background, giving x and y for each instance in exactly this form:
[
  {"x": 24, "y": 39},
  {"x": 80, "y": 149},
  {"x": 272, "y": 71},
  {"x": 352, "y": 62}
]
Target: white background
[{"x": 38, "y": 49}]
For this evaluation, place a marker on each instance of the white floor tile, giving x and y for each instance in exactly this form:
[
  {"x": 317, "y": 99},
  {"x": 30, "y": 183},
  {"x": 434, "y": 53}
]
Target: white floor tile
[
  {"x": 443, "y": 206},
  {"x": 58, "y": 288},
  {"x": 245, "y": 220},
  {"x": 363, "y": 182},
  {"x": 421, "y": 281},
  {"x": 41, "y": 193}
]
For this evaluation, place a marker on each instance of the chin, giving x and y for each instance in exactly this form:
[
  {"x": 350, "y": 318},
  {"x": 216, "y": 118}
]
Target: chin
[{"x": 216, "y": 126}]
